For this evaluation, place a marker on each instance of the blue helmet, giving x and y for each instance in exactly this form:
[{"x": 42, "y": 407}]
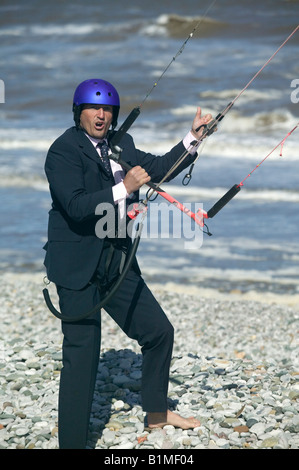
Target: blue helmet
[{"x": 95, "y": 91}]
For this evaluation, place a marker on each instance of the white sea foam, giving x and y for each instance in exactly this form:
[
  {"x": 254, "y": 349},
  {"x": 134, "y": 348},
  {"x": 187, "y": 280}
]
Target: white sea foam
[
  {"x": 35, "y": 139},
  {"x": 35, "y": 144},
  {"x": 247, "y": 96},
  {"x": 241, "y": 137},
  {"x": 260, "y": 122},
  {"x": 71, "y": 29},
  {"x": 195, "y": 274},
  {"x": 183, "y": 193},
  {"x": 195, "y": 267},
  {"x": 235, "y": 121}
]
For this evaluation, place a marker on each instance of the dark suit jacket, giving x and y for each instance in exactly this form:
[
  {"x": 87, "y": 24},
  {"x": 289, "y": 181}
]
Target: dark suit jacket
[{"x": 78, "y": 183}]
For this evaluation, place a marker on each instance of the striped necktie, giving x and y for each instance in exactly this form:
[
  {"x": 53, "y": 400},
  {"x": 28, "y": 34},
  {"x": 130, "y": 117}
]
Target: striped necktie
[{"x": 104, "y": 156}]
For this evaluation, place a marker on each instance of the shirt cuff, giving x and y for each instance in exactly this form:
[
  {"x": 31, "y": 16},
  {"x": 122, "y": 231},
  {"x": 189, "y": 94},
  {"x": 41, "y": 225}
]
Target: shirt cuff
[
  {"x": 119, "y": 192},
  {"x": 189, "y": 138}
]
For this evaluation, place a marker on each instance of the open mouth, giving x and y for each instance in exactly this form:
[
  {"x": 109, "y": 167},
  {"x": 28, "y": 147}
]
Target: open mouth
[{"x": 99, "y": 126}]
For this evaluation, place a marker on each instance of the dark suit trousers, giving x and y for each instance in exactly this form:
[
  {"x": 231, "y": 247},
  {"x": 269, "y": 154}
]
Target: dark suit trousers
[{"x": 139, "y": 315}]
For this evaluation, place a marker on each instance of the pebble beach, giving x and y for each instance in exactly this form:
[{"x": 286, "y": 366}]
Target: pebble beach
[{"x": 234, "y": 367}]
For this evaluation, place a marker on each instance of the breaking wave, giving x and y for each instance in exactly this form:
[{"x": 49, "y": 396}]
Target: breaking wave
[{"x": 177, "y": 26}]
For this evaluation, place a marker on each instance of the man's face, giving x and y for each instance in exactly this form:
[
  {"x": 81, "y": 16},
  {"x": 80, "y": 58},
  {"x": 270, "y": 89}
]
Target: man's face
[{"x": 96, "y": 119}]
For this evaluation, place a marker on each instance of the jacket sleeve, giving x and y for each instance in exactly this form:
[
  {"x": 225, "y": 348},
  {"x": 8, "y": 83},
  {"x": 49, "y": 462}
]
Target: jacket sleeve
[
  {"x": 158, "y": 165},
  {"x": 66, "y": 173}
]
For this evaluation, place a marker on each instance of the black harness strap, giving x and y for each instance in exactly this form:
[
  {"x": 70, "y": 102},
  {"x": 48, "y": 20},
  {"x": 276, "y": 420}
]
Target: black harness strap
[{"x": 127, "y": 261}]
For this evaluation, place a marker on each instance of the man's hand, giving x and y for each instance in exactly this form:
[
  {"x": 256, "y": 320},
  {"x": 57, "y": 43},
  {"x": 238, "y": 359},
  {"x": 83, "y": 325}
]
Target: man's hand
[
  {"x": 135, "y": 178},
  {"x": 199, "y": 121}
]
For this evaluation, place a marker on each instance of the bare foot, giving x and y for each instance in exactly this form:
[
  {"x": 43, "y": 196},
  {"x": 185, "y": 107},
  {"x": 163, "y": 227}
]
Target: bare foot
[{"x": 158, "y": 420}]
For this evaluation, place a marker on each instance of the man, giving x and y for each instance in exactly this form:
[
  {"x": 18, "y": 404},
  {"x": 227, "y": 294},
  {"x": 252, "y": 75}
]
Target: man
[{"x": 77, "y": 258}]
